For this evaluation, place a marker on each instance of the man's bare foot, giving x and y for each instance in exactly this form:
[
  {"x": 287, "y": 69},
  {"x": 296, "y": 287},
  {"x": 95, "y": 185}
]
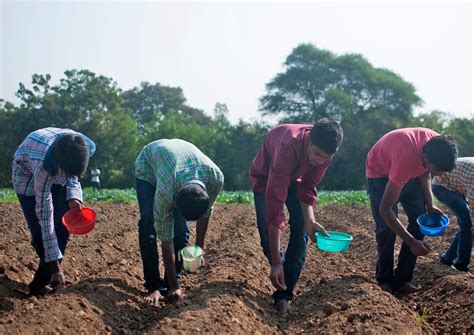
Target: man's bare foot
[
  {"x": 283, "y": 306},
  {"x": 408, "y": 288},
  {"x": 42, "y": 291},
  {"x": 153, "y": 298}
]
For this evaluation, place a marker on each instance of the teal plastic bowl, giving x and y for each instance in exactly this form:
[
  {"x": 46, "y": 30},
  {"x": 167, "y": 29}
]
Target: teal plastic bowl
[{"x": 336, "y": 242}]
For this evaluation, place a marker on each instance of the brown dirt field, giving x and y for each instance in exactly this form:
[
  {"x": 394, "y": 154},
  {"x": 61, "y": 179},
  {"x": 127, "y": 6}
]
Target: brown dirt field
[{"x": 232, "y": 294}]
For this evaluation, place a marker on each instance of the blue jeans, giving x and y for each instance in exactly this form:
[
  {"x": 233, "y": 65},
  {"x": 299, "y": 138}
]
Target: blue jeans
[
  {"x": 42, "y": 275},
  {"x": 147, "y": 238},
  {"x": 293, "y": 259},
  {"x": 411, "y": 198},
  {"x": 459, "y": 252}
]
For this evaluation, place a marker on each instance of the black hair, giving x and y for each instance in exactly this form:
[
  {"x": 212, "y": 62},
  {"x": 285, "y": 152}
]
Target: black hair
[
  {"x": 442, "y": 152},
  {"x": 327, "y": 135},
  {"x": 72, "y": 154},
  {"x": 192, "y": 201}
]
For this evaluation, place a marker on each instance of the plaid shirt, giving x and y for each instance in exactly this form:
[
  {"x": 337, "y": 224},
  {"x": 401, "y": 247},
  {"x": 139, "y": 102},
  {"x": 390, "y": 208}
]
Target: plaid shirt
[
  {"x": 168, "y": 164},
  {"x": 460, "y": 180},
  {"x": 30, "y": 178}
]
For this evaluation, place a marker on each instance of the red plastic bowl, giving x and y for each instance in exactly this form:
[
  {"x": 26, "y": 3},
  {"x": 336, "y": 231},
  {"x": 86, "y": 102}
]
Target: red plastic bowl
[{"x": 79, "y": 221}]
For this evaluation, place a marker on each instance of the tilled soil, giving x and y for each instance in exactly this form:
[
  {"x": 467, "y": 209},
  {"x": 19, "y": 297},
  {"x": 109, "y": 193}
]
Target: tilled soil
[{"x": 336, "y": 292}]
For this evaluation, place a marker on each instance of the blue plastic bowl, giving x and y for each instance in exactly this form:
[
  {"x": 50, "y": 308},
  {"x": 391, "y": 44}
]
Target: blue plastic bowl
[
  {"x": 432, "y": 224},
  {"x": 336, "y": 242}
]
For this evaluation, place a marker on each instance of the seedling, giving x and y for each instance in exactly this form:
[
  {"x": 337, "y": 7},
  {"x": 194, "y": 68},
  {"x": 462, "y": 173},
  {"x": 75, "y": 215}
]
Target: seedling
[{"x": 422, "y": 314}]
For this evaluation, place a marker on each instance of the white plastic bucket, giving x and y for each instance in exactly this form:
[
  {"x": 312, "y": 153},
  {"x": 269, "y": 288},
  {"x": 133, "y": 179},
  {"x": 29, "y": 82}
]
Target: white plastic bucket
[{"x": 193, "y": 258}]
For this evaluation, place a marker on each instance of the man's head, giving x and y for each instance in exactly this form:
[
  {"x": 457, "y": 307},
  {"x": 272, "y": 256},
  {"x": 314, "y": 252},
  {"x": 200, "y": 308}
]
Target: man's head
[
  {"x": 192, "y": 201},
  {"x": 325, "y": 138},
  {"x": 72, "y": 154},
  {"x": 440, "y": 154}
]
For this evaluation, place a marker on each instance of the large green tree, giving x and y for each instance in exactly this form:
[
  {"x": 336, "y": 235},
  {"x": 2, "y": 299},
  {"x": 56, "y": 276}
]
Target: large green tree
[
  {"x": 316, "y": 83},
  {"x": 368, "y": 101},
  {"x": 151, "y": 102}
]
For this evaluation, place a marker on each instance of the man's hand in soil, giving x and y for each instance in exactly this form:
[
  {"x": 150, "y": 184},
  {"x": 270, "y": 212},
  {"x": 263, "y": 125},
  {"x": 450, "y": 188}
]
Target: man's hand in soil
[
  {"x": 419, "y": 248},
  {"x": 153, "y": 298},
  {"x": 277, "y": 277},
  {"x": 174, "y": 295},
  {"x": 57, "y": 280}
]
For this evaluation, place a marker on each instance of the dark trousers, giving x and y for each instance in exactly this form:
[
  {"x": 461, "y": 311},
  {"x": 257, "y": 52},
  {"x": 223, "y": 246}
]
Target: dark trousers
[
  {"x": 28, "y": 203},
  {"x": 459, "y": 252},
  {"x": 96, "y": 185},
  {"x": 411, "y": 198},
  {"x": 293, "y": 259},
  {"x": 147, "y": 238}
]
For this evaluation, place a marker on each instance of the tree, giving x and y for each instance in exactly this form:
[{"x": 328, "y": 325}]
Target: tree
[
  {"x": 87, "y": 103},
  {"x": 462, "y": 129},
  {"x": 367, "y": 101},
  {"x": 149, "y": 102},
  {"x": 316, "y": 83}
]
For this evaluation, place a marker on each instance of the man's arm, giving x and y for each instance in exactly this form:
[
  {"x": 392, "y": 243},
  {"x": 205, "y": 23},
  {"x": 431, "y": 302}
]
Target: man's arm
[
  {"x": 201, "y": 229},
  {"x": 310, "y": 224},
  {"x": 389, "y": 199},
  {"x": 214, "y": 186},
  {"x": 425, "y": 184},
  {"x": 275, "y": 197},
  {"x": 174, "y": 291},
  {"x": 44, "y": 212},
  {"x": 277, "y": 275}
]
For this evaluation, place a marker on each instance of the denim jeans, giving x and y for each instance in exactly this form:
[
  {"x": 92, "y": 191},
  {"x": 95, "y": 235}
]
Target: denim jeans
[
  {"x": 459, "y": 252},
  {"x": 293, "y": 259},
  {"x": 42, "y": 275},
  {"x": 147, "y": 238},
  {"x": 411, "y": 198}
]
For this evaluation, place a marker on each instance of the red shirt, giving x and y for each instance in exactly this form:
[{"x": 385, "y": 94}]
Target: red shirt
[
  {"x": 398, "y": 155},
  {"x": 282, "y": 159}
]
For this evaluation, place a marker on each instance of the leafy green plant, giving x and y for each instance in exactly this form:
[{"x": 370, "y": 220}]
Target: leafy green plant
[
  {"x": 8, "y": 196},
  {"x": 129, "y": 195}
]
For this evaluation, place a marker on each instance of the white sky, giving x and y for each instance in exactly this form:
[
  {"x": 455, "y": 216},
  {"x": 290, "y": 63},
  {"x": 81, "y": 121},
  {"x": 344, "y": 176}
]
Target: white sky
[{"x": 226, "y": 52}]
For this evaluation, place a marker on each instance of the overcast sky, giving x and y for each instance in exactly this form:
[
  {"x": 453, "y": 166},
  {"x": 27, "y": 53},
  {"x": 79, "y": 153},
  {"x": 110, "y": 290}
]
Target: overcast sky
[{"x": 227, "y": 52}]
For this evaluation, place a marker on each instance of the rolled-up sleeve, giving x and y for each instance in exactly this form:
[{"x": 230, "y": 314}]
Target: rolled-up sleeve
[
  {"x": 44, "y": 212},
  {"x": 73, "y": 189},
  {"x": 277, "y": 185}
]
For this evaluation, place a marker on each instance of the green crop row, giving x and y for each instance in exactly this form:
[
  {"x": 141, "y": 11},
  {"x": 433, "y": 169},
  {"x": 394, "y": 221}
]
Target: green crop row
[{"x": 227, "y": 197}]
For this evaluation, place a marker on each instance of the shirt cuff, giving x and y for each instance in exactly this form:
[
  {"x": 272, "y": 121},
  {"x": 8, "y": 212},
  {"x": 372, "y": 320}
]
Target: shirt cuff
[
  {"x": 280, "y": 224},
  {"x": 306, "y": 198},
  {"x": 74, "y": 194},
  {"x": 51, "y": 251}
]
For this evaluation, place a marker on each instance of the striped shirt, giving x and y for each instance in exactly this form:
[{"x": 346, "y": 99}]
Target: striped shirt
[
  {"x": 460, "y": 180},
  {"x": 31, "y": 177},
  {"x": 168, "y": 164}
]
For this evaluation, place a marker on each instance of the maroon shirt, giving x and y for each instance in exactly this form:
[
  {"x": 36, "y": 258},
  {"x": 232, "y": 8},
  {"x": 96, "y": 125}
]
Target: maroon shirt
[{"x": 282, "y": 159}]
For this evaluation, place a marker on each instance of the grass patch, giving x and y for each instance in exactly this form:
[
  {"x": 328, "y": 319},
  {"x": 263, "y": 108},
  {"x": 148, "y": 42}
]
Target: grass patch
[
  {"x": 129, "y": 195},
  {"x": 422, "y": 314},
  {"x": 8, "y": 196}
]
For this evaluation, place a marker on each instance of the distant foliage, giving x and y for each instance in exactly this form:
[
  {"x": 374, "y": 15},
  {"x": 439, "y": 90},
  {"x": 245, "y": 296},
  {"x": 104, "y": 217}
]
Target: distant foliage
[
  {"x": 313, "y": 83},
  {"x": 128, "y": 195},
  {"x": 235, "y": 198},
  {"x": 226, "y": 197}
]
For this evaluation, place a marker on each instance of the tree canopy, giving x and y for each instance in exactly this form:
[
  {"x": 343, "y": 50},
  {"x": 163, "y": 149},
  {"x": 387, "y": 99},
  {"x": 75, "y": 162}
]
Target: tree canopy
[{"x": 313, "y": 83}]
